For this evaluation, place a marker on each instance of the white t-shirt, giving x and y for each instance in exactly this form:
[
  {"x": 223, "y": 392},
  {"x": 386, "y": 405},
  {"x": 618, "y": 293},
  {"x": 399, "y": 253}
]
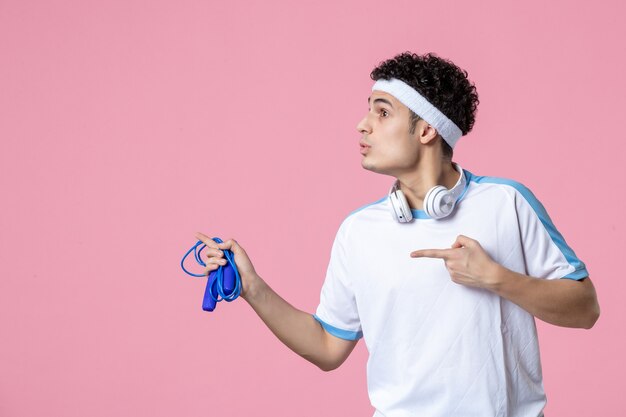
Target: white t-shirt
[{"x": 437, "y": 348}]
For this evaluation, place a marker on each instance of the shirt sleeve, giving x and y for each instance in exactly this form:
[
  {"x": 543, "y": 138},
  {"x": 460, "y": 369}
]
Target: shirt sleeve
[
  {"x": 337, "y": 311},
  {"x": 546, "y": 253}
]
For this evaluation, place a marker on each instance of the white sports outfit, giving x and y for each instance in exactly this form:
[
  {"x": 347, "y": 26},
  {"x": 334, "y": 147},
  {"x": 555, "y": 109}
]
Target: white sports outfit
[{"x": 437, "y": 348}]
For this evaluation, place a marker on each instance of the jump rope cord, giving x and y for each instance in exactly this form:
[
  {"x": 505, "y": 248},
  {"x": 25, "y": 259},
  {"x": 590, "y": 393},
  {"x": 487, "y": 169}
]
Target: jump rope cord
[{"x": 217, "y": 290}]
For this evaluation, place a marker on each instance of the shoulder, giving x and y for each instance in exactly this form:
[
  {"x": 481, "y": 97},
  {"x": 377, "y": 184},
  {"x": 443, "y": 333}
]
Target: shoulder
[
  {"x": 526, "y": 205},
  {"x": 365, "y": 214},
  {"x": 496, "y": 181},
  {"x": 513, "y": 188},
  {"x": 369, "y": 208}
]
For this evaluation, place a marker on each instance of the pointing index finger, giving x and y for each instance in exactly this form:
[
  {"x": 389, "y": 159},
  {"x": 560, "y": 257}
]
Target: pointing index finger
[
  {"x": 206, "y": 240},
  {"x": 430, "y": 253}
]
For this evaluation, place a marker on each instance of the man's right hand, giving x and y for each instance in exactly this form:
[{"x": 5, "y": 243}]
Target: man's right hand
[{"x": 214, "y": 253}]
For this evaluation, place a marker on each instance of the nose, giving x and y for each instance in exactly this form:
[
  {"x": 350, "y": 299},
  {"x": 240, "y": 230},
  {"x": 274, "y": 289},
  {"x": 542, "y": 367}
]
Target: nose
[{"x": 363, "y": 126}]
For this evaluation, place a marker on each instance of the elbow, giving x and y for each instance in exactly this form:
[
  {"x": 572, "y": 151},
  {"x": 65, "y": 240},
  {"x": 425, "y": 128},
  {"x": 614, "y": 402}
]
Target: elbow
[
  {"x": 592, "y": 317},
  {"x": 591, "y": 306},
  {"x": 328, "y": 366}
]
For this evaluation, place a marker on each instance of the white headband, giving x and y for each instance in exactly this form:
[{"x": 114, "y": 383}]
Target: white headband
[{"x": 408, "y": 96}]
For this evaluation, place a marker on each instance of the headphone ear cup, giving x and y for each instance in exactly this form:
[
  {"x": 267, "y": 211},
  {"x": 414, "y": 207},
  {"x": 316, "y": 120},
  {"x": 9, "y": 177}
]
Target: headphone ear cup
[
  {"x": 400, "y": 207},
  {"x": 437, "y": 202}
]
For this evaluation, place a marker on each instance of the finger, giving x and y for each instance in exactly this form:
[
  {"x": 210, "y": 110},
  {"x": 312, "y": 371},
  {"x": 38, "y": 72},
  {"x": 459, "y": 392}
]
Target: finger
[
  {"x": 213, "y": 263},
  {"x": 216, "y": 261},
  {"x": 206, "y": 240},
  {"x": 213, "y": 253},
  {"x": 456, "y": 244},
  {"x": 209, "y": 268},
  {"x": 431, "y": 253},
  {"x": 230, "y": 244},
  {"x": 463, "y": 241}
]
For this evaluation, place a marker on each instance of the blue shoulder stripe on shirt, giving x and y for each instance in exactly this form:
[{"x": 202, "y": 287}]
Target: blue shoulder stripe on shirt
[
  {"x": 368, "y": 205},
  {"x": 580, "y": 271},
  {"x": 340, "y": 333}
]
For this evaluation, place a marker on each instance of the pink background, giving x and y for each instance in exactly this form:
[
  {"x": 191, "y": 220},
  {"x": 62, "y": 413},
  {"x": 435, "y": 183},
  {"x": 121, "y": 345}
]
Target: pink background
[{"x": 126, "y": 126}]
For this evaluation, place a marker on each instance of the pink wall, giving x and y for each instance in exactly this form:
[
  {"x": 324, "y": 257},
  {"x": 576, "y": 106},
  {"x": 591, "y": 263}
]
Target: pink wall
[{"x": 125, "y": 126}]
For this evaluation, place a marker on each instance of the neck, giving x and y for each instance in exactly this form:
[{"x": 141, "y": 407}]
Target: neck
[{"x": 429, "y": 174}]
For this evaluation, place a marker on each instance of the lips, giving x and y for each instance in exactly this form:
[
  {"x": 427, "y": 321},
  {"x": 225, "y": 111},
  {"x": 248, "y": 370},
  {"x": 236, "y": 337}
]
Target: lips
[{"x": 364, "y": 147}]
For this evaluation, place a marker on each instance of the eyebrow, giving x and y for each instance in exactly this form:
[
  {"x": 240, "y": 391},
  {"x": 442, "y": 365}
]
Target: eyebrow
[{"x": 380, "y": 100}]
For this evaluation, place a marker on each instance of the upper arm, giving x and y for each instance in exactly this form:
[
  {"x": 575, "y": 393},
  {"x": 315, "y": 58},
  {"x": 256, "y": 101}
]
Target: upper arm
[
  {"x": 546, "y": 253},
  {"x": 337, "y": 313},
  {"x": 337, "y": 350}
]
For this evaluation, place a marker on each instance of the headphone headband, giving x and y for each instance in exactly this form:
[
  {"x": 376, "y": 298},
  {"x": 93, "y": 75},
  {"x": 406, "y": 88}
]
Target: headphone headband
[{"x": 439, "y": 202}]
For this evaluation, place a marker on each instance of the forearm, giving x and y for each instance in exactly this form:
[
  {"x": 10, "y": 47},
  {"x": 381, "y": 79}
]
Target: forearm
[
  {"x": 562, "y": 302},
  {"x": 298, "y": 330}
]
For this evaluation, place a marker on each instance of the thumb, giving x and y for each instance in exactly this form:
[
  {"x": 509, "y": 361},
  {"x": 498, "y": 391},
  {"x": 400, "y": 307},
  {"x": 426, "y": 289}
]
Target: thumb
[
  {"x": 232, "y": 245},
  {"x": 229, "y": 244},
  {"x": 463, "y": 241}
]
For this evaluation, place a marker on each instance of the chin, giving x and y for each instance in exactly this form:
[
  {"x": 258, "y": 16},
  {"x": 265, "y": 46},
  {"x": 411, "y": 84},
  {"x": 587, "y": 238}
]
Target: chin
[
  {"x": 368, "y": 165},
  {"x": 373, "y": 167}
]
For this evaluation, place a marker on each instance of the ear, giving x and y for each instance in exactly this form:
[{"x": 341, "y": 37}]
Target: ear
[{"x": 426, "y": 132}]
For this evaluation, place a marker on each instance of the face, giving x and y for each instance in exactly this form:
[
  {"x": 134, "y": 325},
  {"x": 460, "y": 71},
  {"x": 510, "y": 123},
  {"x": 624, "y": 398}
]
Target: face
[{"x": 387, "y": 145}]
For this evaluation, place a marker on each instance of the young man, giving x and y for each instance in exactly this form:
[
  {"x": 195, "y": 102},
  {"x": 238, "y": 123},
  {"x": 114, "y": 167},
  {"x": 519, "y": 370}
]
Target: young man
[{"x": 441, "y": 278}]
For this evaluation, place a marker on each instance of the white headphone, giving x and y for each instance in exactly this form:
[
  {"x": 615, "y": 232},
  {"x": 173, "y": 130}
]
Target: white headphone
[{"x": 438, "y": 202}]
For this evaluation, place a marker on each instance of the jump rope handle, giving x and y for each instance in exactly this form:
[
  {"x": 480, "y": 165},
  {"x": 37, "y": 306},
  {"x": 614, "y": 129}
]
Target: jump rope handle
[{"x": 223, "y": 284}]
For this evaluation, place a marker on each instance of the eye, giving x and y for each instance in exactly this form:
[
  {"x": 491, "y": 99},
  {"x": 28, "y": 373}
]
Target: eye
[{"x": 384, "y": 113}]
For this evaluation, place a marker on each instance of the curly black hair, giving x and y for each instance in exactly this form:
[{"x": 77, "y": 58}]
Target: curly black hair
[{"x": 440, "y": 81}]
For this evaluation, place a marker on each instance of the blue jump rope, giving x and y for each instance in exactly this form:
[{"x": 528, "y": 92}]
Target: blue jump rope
[{"x": 223, "y": 284}]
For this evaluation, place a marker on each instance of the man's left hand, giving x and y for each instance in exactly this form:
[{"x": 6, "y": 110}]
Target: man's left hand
[{"x": 466, "y": 261}]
